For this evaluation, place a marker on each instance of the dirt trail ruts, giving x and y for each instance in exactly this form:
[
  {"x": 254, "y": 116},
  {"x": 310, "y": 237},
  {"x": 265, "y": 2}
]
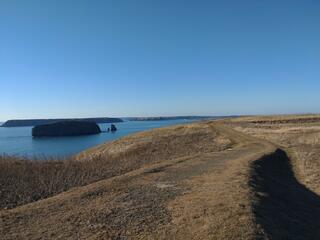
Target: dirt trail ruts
[{"x": 285, "y": 183}]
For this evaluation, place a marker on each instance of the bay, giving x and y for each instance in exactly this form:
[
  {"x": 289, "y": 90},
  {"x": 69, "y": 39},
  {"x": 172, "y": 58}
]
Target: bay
[{"x": 18, "y": 141}]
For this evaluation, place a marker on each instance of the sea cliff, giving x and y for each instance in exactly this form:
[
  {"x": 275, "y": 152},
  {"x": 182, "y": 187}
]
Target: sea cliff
[{"x": 66, "y": 128}]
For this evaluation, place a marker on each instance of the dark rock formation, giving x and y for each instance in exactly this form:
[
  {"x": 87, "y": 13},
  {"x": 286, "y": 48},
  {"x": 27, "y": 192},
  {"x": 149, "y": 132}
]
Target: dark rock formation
[
  {"x": 113, "y": 128},
  {"x": 35, "y": 122},
  {"x": 66, "y": 128}
]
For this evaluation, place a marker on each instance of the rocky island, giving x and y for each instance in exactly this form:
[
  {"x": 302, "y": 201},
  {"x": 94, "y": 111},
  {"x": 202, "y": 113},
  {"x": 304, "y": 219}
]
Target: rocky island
[
  {"x": 66, "y": 128},
  {"x": 113, "y": 128}
]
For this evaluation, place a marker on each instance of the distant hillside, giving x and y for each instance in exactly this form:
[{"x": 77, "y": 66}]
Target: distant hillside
[
  {"x": 34, "y": 122},
  {"x": 170, "y": 118}
]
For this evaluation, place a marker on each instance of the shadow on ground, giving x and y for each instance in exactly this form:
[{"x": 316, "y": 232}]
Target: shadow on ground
[{"x": 284, "y": 208}]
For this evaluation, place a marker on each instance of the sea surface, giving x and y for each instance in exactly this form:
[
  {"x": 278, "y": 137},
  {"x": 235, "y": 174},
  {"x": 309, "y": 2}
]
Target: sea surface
[{"x": 19, "y": 141}]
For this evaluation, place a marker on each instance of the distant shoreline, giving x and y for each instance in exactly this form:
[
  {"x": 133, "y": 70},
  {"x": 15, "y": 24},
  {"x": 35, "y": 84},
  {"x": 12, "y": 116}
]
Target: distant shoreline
[
  {"x": 175, "y": 118},
  {"x": 34, "y": 122}
]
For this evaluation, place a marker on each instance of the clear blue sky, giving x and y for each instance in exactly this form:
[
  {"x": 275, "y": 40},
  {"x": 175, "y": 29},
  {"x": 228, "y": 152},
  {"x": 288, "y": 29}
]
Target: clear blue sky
[{"x": 148, "y": 58}]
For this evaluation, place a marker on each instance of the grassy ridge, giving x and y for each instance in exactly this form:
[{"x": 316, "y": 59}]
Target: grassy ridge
[{"x": 23, "y": 181}]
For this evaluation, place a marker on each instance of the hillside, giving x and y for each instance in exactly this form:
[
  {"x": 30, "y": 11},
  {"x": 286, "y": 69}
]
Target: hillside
[
  {"x": 298, "y": 135},
  {"x": 196, "y": 181},
  {"x": 171, "y": 118},
  {"x": 34, "y": 122}
]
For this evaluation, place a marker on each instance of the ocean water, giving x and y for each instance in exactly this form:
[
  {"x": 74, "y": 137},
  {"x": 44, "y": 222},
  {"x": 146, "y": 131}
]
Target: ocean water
[{"x": 19, "y": 141}]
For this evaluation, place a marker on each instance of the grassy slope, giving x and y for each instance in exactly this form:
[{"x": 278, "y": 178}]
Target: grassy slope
[
  {"x": 299, "y": 135},
  {"x": 288, "y": 183},
  {"x": 196, "y": 181}
]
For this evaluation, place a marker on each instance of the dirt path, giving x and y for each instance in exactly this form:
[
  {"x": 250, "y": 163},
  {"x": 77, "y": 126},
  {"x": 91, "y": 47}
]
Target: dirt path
[
  {"x": 286, "y": 183},
  {"x": 196, "y": 196}
]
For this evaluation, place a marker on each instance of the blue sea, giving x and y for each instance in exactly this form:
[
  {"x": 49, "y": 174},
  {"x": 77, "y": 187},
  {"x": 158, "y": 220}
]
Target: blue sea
[{"x": 19, "y": 141}]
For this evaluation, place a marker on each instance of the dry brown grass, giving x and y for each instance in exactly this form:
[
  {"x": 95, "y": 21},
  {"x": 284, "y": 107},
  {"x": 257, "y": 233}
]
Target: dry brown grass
[
  {"x": 192, "y": 183},
  {"x": 286, "y": 184},
  {"x": 303, "y": 118},
  {"x": 23, "y": 180},
  {"x": 299, "y": 136},
  {"x": 165, "y": 143},
  {"x": 197, "y": 181}
]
